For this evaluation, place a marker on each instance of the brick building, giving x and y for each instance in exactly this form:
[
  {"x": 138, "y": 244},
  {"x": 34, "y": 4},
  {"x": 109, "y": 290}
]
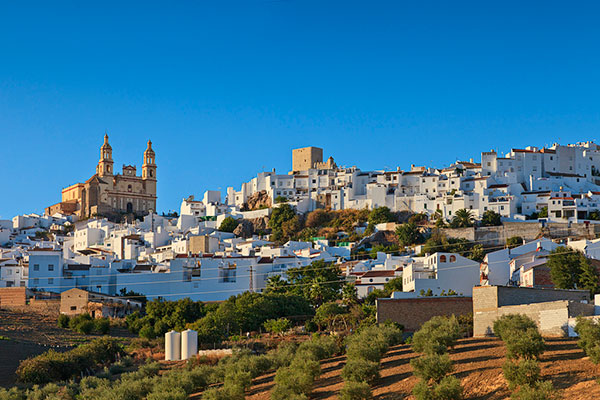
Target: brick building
[{"x": 78, "y": 301}]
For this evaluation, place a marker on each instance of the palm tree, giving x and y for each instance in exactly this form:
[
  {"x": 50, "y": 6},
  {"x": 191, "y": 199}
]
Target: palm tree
[{"x": 464, "y": 218}]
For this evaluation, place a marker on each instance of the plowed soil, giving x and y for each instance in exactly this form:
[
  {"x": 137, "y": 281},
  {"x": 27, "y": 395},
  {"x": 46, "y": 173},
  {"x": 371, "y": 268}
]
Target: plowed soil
[{"x": 478, "y": 364}]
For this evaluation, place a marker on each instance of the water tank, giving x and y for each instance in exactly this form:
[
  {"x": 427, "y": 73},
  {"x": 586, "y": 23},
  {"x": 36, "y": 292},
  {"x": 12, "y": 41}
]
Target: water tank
[
  {"x": 189, "y": 344},
  {"x": 172, "y": 346}
]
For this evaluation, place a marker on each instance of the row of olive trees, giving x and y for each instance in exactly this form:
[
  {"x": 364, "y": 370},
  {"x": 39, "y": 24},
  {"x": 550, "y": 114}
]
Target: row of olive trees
[
  {"x": 294, "y": 379},
  {"x": 363, "y": 355},
  {"x": 434, "y": 366},
  {"x": 524, "y": 346}
]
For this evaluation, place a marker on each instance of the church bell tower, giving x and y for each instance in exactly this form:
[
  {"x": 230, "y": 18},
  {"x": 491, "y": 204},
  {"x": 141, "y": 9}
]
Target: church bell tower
[
  {"x": 105, "y": 165},
  {"x": 149, "y": 169}
]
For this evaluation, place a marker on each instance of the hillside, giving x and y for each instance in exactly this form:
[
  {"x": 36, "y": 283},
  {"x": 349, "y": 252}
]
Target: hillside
[{"x": 478, "y": 363}]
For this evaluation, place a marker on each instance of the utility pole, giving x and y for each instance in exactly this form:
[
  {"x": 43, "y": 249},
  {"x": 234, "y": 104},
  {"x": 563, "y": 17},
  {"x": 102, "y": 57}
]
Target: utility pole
[{"x": 251, "y": 279}]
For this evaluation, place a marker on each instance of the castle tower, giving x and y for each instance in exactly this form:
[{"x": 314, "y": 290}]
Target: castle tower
[
  {"x": 105, "y": 165},
  {"x": 149, "y": 170}
]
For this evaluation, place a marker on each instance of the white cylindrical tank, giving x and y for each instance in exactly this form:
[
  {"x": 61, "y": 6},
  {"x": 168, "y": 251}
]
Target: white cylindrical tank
[
  {"x": 189, "y": 344},
  {"x": 172, "y": 346}
]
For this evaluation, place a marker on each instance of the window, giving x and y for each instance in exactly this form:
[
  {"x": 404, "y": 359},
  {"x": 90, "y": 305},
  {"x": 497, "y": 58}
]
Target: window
[
  {"x": 442, "y": 258},
  {"x": 36, "y": 281},
  {"x": 36, "y": 267},
  {"x": 489, "y": 164},
  {"x": 452, "y": 258},
  {"x": 73, "y": 308},
  {"x": 50, "y": 267},
  {"x": 50, "y": 281}
]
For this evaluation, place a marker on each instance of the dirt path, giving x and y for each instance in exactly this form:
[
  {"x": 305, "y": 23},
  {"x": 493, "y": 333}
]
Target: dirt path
[{"x": 478, "y": 364}]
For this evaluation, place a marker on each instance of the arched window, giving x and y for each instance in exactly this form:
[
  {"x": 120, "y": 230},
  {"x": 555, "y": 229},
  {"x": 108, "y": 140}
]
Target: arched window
[
  {"x": 452, "y": 258},
  {"x": 151, "y": 174},
  {"x": 129, "y": 188},
  {"x": 370, "y": 289},
  {"x": 442, "y": 258}
]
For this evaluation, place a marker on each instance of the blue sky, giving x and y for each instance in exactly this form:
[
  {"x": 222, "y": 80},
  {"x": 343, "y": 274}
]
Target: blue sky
[{"x": 225, "y": 89}]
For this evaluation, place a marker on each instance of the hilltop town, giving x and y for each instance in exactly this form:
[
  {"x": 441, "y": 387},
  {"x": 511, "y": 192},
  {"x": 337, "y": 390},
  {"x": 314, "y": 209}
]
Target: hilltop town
[
  {"x": 105, "y": 235},
  {"x": 337, "y": 248}
]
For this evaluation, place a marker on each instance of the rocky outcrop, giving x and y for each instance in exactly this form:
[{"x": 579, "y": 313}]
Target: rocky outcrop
[
  {"x": 257, "y": 201},
  {"x": 244, "y": 229},
  {"x": 260, "y": 224}
]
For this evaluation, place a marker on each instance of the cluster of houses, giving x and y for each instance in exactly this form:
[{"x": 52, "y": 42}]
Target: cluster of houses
[
  {"x": 564, "y": 180},
  {"x": 186, "y": 255}
]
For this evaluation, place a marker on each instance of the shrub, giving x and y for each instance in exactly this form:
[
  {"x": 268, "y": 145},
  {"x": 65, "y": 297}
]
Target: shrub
[
  {"x": 234, "y": 392},
  {"x": 321, "y": 346},
  {"x": 360, "y": 370},
  {"x": 432, "y": 367},
  {"x": 523, "y": 372},
  {"x": 63, "y": 321},
  {"x": 589, "y": 338},
  {"x": 283, "y": 355},
  {"x": 436, "y": 335},
  {"x": 520, "y": 335},
  {"x": 290, "y": 382},
  {"x": 540, "y": 391},
  {"x": 85, "y": 327},
  {"x": 448, "y": 389},
  {"x": 53, "y": 366},
  {"x": 524, "y": 345},
  {"x": 505, "y": 326},
  {"x": 356, "y": 391},
  {"x": 528, "y": 344},
  {"x": 102, "y": 326},
  {"x": 173, "y": 393},
  {"x": 359, "y": 348}
]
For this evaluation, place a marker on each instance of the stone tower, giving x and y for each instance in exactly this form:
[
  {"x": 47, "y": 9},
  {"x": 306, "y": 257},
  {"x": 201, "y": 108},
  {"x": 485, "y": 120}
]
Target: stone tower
[
  {"x": 149, "y": 169},
  {"x": 105, "y": 165}
]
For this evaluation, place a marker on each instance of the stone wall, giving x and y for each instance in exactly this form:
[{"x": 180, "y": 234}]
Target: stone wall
[
  {"x": 497, "y": 235},
  {"x": 412, "y": 313}
]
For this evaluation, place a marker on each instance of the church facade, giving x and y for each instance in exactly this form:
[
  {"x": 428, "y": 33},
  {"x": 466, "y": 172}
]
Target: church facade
[{"x": 110, "y": 194}]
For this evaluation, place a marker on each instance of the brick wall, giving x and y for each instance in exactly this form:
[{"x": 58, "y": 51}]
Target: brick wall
[
  {"x": 412, "y": 313},
  {"x": 14, "y": 296}
]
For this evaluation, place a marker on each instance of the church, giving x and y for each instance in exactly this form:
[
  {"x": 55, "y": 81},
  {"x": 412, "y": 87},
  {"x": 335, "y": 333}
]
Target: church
[{"x": 109, "y": 194}]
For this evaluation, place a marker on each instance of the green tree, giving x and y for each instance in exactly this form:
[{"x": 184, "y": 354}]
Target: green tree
[
  {"x": 277, "y": 326},
  {"x": 408, "y": 234},
  {"x": 514, "y": 241},
  {"x": 380, "y": 215},
  {"x": 565, "y": 267},
  {"x": 281, "y": 214},
  {"x": 463, "y": 218},
  {"x": 477, "y": 253},
  {"x": 543, "y": 213},
  {"x": 588, "y": 277},
  {"x": 349, "y": 294},
  {"x": 318, "y": 282},
  {"x": 228, "y": 225},
  {"x": 327, "y": 313},
  {"x": 280, "y": 199},
  {"x": 276, "y": 285},
  {"x": 393, "y": 285},
  {"x": 491, "y": 218}
]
